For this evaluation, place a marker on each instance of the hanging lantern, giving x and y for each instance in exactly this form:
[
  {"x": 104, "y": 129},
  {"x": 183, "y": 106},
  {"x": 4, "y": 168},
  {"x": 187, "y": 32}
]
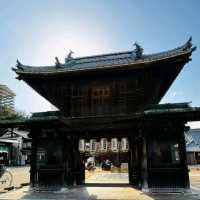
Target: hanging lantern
[
  {"x": 93, "y": 146},
  {"x": 81, "y": 145},
  {"x": 103, "y": 145},
  {"x": 124, "y": 145},
  {"x": 114, "y": 145}
]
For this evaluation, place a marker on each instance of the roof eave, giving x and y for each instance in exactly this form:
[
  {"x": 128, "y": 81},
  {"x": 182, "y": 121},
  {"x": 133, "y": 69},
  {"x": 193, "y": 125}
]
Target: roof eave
[{"x": 185, "y": 57}]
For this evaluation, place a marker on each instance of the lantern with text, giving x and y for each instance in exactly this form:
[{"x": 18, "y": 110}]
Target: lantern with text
[
  {"x": 93, "y": 146},
  {"x": 114, "y": 145},
  {"x": 81, "y": 145},
  {"x": 124, "y": 145},
  {"x": 103, "y": 145}
]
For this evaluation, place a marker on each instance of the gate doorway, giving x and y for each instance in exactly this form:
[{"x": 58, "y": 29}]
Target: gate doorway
[{"x": 106, "y": 161}]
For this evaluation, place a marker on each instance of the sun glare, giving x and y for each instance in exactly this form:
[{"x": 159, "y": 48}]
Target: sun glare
[{"x": 60, "y": 43}]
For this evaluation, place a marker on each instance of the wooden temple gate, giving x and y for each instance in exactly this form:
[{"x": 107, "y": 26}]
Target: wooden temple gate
[{"x": 111, "y": 95}]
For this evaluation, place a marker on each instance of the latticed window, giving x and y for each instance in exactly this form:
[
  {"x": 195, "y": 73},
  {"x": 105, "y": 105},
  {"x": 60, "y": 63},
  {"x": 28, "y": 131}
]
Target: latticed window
[
  {"x": 128, "y": 91},
  {"x": 122, "y": 97},
  {"x": 79, "y": 100},
  {"x": 101, "y": 98},
  {"x": 101, "y": 93}
]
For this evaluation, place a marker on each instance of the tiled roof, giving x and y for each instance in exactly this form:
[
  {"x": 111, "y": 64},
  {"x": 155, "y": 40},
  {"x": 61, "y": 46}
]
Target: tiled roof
[
  {"x": 105, "y": 61},
  {"x": 171, "y": 108},
  {"x": 196, "y": 135}
]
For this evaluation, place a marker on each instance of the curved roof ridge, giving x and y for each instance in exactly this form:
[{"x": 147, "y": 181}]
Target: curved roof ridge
[
  {"x": 107, "y": 60},
  {"x": 104, "y": 54}
]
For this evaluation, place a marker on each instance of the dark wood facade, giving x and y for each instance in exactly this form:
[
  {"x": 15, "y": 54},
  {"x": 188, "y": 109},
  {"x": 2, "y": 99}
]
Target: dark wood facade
[
  {"x": 107, "y": 93},
  {"x": 157, "y": 158}
]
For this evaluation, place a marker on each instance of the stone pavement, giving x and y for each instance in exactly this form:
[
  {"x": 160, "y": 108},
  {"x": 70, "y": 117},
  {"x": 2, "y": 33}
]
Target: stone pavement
[
  {"x": 195, "y": 181},
  {"x": 20, "y": 176},
  {"x": 92, "y": 193},
  {"x": 103, "y": 192},
  {"x": 111, "y": 178}
]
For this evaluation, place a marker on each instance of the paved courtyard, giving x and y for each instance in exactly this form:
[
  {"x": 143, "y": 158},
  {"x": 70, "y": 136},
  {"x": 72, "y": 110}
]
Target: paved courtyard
[
  {"x": 102, "y": 192},
  {"x": 195, "y": 181},
  {"x": 91, "y": 193},
  {"x": 20, "y": 176},
  {"x": 111, "y": 178}
]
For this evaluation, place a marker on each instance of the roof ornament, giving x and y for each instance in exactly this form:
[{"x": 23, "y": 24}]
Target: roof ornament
[
  {"x": 57, "y": 63},
  {"x": 138, "y": 51},
  {"x": 19, "y": 65},
  {"x": 69, "y": 56},
  {"x": 189, "y": 46}
]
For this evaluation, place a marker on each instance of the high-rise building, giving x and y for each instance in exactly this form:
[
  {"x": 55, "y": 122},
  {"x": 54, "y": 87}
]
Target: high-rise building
[{"x": 6, "y": 100}]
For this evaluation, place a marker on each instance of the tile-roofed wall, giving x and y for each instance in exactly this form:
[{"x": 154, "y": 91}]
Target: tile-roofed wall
[
  {"x": 196, "y": 135},
  {"x": 193, "y": 140}
]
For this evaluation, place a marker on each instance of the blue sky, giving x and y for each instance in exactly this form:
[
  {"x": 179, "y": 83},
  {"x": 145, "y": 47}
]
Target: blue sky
[{"x": 36, "y": 31}]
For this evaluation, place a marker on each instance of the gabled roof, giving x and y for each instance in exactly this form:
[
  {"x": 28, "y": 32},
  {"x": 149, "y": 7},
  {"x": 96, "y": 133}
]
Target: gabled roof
[{"x": 106, "y": 61}]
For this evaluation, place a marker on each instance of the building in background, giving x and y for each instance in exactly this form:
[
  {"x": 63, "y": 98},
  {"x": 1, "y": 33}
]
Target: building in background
[
  {"x": 6, "y": 100},
  {"x": 193, "y": 146},
  {"x": 14, "y": 143},
  {"x": 15, "y": 148}
]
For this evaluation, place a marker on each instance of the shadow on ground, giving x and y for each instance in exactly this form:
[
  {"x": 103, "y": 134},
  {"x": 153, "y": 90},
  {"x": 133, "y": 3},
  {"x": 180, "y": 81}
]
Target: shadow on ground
[{"x": 92, "y": 193}]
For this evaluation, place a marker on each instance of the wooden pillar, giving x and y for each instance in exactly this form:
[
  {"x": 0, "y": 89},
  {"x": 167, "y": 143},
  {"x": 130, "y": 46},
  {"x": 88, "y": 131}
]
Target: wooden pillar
[
  {"x": 33, "y": 161},
  {"x": 134, "y": 162},
  {"x": 74, "y": 167},
  {"x": 183, "y": 159},
  {"x": 68, "y": 177},
  {"x": 78, "y": 166},
  {"x": 82, "y": 169},
  {"x": 131, "y": 161},
  {"x": 145, "y": 187}
]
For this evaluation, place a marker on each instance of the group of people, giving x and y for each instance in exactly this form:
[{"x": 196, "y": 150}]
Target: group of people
[{"x": 105, "y": 165}]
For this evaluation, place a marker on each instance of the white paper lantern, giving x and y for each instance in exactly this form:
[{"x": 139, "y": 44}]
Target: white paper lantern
[
  {"x": 93, "y": 146},
  {"x": 124, "y": 145},
  {"x": 114, "y": 145},
  {"x": 81, "y": 145},
  {"x": 103, "y": 145}
]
